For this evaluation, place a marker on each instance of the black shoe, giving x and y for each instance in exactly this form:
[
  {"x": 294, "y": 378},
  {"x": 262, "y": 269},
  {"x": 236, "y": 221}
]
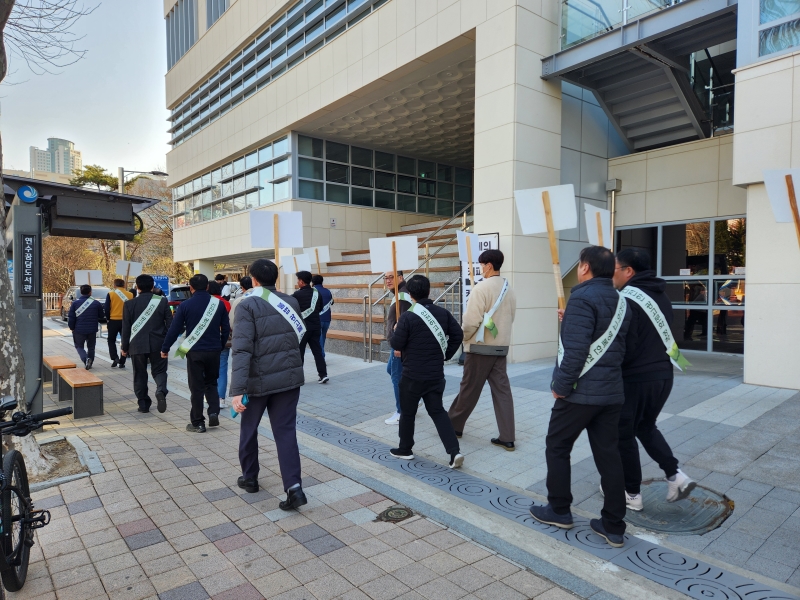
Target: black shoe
[
  {"x": 143, "y": 410},
  {"x": 121, "y": 364},
  {"x": 213, "y": 420},
  {"x": 248, "y": 485},
  {"x": 89, "y": 363},
  {"x": 456, "y": 460},
  {"x": 398, "y": 453},
  {"x": 546, "y": 515},
  {"x": 504, "y": 445},
  {"x": 196, "y": 428},
  {"x": 323, "y": 379},
  {"x": 161, "y": 401},
  {"x": 114, "y": 363},
  {"x": 294, "y": 498},
  {"x": 459, "y": 434},
  {"x": 615, "y": 540}
]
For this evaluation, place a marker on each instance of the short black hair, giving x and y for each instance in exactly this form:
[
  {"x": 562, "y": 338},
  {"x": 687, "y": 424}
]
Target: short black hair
[
  {"x": 304, "y": 276},
  {"x": 635, "y": 258},
  {"x": 493, "y": 257},
  {"x": 600, "y": 260},
  {"x": 199, "y": 282},
  {"x": 214, "y": 288},
  {"x": 399, "y": 273},
  {"x": 419, "y": 287},
  {"x": 145, "y": 283},
  {"x": 86, "y": 290},
  {"x": 119, "y": 283},
  {"x": 219, "y": 277},
  {"x": 246, "y": 282},
  {"x": 317, "y": 279},
  {"x": 264, "y": 271},
  {"x": 158, "y": 292}
]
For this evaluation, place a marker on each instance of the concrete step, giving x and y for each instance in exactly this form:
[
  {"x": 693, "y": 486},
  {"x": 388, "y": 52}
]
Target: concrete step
[
  {"x": 351, "y": 343},
  {"x": 355, "y": 323},
  {"x": 355, "y": 306},
  {"x": 443, "y": 259},
  {"x": 432, "y": 225}
]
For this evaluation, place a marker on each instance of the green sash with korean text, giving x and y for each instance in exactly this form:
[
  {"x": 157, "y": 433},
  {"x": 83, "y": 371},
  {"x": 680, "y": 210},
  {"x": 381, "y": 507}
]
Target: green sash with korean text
[
  {"x": 148, "y": 312},
  {"x": 82, "y": 308},
  {"x": 429, "y": 320},
  {"x": 198, "y": 331},
  {"x": 314, "y": 297},
  {"x": 286, "y": 311}
]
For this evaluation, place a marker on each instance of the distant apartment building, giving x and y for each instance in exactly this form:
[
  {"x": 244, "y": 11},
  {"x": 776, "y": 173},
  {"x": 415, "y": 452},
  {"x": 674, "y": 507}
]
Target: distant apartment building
[{"x": 59, "y": 157}]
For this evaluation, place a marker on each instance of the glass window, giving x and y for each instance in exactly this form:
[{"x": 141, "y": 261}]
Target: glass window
[
  {"x": 227, "y": 189},
  {"x": 384, "y": 181},
  {"x": 216, "y": 191},
  {"x": 252, "y": 199},
  {"x": 729, "y": 292},
  {"x": 445, "y": 173},
  {"x": 684, "y": 249},
  {"x": 307, "y": 146},
  {"x": 407, "y": 203},
  {"x": 445, "y": 191},
  {"x": 216, "y": 175},
  {"x": 337, "y": 152},
  {"x": 265, "y": 193},
  {"x": 458, "y": 207},
  {"x": 280, "y": 147},
  {"x": 463, "y": 194},
  {"x": 227, "y": 170},
  {"x": 337, "y": 193},
  {"x": 206, "y": 180},
  {"x": 281, "y": 191},
  {"x": 280, "y": 169},
  {"x": 238, "y": 185},
  {"x": 312, "y": 190},
  {"x": 251, "y": 160},
  {"x": 384, "y": 200},
  {"x": 780, "y": 37},
  {"x": 310, "y": 168},
  {"x": 205, "y": 197},
  {"x": 238, "y": 166},
  {"x": 688, "y": 292},
  {"x": 337, "y": 173},
  {"x": 362, "y": 157},
  {"x": 198, "y": 183},
  {"x": 362, "y": 197},
  {"x": 690, "y": 328},
  {"x": 206, "y": 213},
  {"x": 427, "y": 170},
  {"x": 362, "y": 177},
  {"x": 217, "y": 211},
  {"x": 384, "y": 161},
  {"x": 264, "y": 154},
  {"x": 463, "y": 176},
  {"x": 644, "y": 238},
  {"x": 444, "y": 208},
  {"x": 251, "y": 180},
  {"x": 406, "y": 165},
  {"x": 335, "y": 15},
  {"x": 728, "y": 331},
  {"x": 427, "y": 206},
  {"x": 426, "y": 188},
  {"x": 406, "y": 185},
  {"x": 729, "y": 246},
  {"x": 239, "y": 203}
]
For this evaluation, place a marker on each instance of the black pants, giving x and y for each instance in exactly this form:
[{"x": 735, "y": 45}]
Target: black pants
[
  {"x": 114, "y": 328},
  {"x": 79, "y": 339},
  {"x": 567, "y": 421},
  {"x": 311, "y": 338},
  {"x": 431, "y": 393},
  {"x": 282, "y": 411},
  {"x": 158, "y": 368},
  {"x": 643, "y": 403},
  {"x": 202, "y": 369}
]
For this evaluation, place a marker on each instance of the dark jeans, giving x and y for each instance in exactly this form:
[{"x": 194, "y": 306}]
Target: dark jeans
[
  {"x": 431, "y": 393},
  {"x": 643, "y": 403},
  {"x": 79, "y": 339},
  {"x": 567, "y": 421},
  {"x": 282, "y": 411},
  {"x": 114, "y": 329},
  {"x": 395, "y": 370},
  {"x": 312, "y": 339},
  {"x": 323, "y": 334},
  {"x": 158, "y": 368},
  {"x": 202, "y": 369}
]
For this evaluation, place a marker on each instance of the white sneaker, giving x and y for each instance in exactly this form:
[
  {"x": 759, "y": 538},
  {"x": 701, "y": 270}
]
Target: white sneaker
[
  {"x": 680, "y": 488},
  {"x": 393, "y": 420},
  {"x": 456, "y": 460},
  {"x": 223, "y": 403},
  {"x": 632, "y": 501}
]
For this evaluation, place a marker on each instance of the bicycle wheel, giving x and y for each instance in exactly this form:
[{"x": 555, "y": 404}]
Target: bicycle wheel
[{"x": 17, "y": 536}]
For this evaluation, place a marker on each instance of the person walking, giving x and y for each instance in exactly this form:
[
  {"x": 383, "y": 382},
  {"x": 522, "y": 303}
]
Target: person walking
[
  {"x": 225, "y": 289},
  {"x": 115, "y": 301},
  {"x": 310, "y": 306},
  {"x": 83, "y": 319},
  {"x": 588, "y": 392},
  {"x": 268, "y": 368},
  {"x": 647, "y": 376},
  {"x": 246, "y": 284},
  {"x": 395, "y": 366},
  {"x": 325, "y": 312},
  {"x": 222, "y": 381},
  {"x": 426, "y": 336},
  {"x": 207, "y": 330},
  {"x": 487, "y": 328},
  {"x": 145, "y": 322}
]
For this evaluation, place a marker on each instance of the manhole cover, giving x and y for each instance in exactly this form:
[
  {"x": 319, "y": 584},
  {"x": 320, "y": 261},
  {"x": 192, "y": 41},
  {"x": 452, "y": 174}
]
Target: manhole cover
[
  {"x": 701, "y": 512},
  {"x": 395, "y": 514}
]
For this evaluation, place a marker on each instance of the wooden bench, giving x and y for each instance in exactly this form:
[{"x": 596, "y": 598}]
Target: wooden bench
[
  {"x": 84, "y": 389},
  {"x": 51, "y": 364}
]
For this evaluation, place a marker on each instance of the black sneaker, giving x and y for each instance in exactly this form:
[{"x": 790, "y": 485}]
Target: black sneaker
[
  {"x": 615, "y": 540},
  {"x": 161, "y": 402},
  {"x": 143, "y": 410},
  {"x": 459, "y": 434},
  {"x": 248, "y": 485},
  {"x": 89, "y": 363},
  {"x": 546, "y": 515},
  {"x": 509, "y": 446},
  {"x": 213, "y": 420},
  {"x": 456, "y": 460},
  {"x": 294, "y": 498},
  {"x": 323, "y": 379},
  {"x": 121, "y": 364},
  {"x": 196, "y": 428},
  {"x": 114, "y": 363},
  {"x": 398, "y": 453}
]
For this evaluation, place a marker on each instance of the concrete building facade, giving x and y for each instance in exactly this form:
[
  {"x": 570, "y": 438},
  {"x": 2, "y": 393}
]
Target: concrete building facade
[{"x": 59, "y": 157}]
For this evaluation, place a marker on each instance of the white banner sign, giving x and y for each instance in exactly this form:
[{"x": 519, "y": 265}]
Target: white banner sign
[
  {"x": 590, "y": 212},
  {"x": 88, "y": 278},
  {"x": 323, "y": 252},
  {"x": 294, "y": 263},
  {"x": 467, "y": 244},
  {"x": 486, "y": 241},
  {"x": 530, "y": 209},
  {"x": 123, "y": 265},
  {"x": 778, "y": 192},
  {"x": 380, "y": 253},
  {"x": 262, "y": 229}
]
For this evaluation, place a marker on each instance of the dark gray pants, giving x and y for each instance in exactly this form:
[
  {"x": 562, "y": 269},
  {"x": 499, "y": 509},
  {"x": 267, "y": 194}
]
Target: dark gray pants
[
  {"x": 114, "y": 328},
  {"x": 431, "y": 393},
  {"x": 282, "y": 411},
  {"x": 158, "y": 368},
  {"x": 202, "y": 370}
]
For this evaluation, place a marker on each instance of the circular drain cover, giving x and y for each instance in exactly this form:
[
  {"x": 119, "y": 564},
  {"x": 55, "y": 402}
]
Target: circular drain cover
[
  {"x": 395, "y": 514},
  {"x": 701, "y": 512}
]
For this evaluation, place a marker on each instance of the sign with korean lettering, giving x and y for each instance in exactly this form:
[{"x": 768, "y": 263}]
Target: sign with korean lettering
[
  {"x": 486, "y": 241},
  {"x": 29, "y": 264}
]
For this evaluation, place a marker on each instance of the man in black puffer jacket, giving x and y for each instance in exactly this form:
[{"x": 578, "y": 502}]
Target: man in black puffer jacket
[
  {"x": 426, "y": 335},
  {"x": 310, "y": 302},
  {"x": 587, "y": 386},
  {"x": 647, "y": 375}
]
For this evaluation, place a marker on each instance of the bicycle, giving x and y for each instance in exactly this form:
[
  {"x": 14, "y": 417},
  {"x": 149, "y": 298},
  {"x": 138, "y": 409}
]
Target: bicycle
[{"x": 18, "y": 519}]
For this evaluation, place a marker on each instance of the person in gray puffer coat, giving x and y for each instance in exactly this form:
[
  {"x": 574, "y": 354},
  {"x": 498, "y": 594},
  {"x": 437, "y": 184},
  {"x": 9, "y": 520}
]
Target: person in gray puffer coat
[
  {"x": 268, "y": 368},
  {"x": 592, "y": 401}
]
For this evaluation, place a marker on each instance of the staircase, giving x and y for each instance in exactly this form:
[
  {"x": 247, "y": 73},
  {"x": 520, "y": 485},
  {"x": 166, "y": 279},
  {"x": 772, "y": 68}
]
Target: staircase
[{"x": 348, "y": 281}]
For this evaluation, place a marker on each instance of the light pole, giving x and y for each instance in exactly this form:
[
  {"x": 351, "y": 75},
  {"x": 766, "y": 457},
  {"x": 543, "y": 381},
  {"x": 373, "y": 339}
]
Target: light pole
[{"x": 121, "y": 190}]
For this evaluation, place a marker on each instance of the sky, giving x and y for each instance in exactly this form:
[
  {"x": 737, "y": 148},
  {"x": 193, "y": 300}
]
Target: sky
[{"x": 110, "y": 104}]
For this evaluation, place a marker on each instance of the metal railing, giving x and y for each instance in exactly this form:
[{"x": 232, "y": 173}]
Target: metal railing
[
  {"x": 52, "y": 300},
  {"x": 369, "y": 305}
]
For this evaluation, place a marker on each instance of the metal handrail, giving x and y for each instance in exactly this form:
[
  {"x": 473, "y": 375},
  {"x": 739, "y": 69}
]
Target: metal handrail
[{"x": 368, "y": 305}]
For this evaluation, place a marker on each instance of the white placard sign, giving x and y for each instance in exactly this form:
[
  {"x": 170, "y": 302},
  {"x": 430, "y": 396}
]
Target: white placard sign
[
  {"x": 380, "y": 253},
  {"x": 530, "y": 208},
  {"x": 88, "y": 278},
  {"x": 778, "y": 192},
  {"x": 590, "y": 212},
  {"x": 294, "y": 263},
  {"x": 323, "y": 252},
  {"x": 468, "y": 241},
  {"x": 486, "y": 241},
  {"x": 262, "y": 229},
  {"x": 122, "y": 268}
]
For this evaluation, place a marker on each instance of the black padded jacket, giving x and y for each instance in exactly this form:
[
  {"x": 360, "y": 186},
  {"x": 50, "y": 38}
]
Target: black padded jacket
[
  {"x": 646, "y": 358},
  {"x": 304, "y": 296}
]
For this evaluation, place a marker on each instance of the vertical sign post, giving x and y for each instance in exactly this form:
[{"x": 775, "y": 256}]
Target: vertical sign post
[
  {"x": 793, "y": 206},
  {"x": 394, "y": 268},
  {"x": 551, "y": 235}
]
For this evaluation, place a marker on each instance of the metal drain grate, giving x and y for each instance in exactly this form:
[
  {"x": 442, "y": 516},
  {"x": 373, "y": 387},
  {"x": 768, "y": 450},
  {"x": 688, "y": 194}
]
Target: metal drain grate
[
  {"x": 692, "y": 577},
  {"x": 395, "y": 514}
]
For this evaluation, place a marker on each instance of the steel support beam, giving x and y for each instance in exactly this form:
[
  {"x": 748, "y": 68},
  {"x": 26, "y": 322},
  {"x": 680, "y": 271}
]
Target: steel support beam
[{"x": 689, "y": 100}]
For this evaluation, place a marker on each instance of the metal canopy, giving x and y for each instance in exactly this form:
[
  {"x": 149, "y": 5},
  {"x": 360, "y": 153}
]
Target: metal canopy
[{"x": 639, "y": 72}]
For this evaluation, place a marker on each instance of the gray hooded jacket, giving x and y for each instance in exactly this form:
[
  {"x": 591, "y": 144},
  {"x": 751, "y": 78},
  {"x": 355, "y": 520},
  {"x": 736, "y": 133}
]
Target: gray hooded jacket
[{"x": 266, "y": 351}]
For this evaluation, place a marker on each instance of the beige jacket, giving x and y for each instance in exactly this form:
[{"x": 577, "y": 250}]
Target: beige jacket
[{"x": 481, "y": 300}]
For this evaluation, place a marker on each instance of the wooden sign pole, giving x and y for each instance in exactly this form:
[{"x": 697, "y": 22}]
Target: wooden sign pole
[
  {"x": 551, "y": 234},
  {"x": 319, "y": 266},
  {"x": 127, "y": 274},
  {"x": 394, "y": 268},
  {"x": 599, "y": 230},
  {"x": 89, "y": 277},
  {"x": 296, "y": 269},
  {"x": 469, "y": 260},
  {"x": 793, "y": 206},
  {"x": 276, "y": 239}
]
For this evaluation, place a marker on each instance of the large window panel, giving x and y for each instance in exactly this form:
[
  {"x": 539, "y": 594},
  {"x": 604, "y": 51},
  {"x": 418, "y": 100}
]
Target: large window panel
[
  {"x": 361, "y": 196},
  {"x": 337, "y": 173},
  {"x": 362, "y": 177},
  {"x": 311, "y": 169},
  {"x": 338, "y": 193},
  {"x": 730, "y": 241},
  {"x": 311, "y": 190}
]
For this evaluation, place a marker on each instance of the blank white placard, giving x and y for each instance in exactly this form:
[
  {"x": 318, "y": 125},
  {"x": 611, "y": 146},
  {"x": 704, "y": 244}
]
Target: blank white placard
[
  {"x": 590, "y": 212},
  {"x": 380, "y": 253},
  {"x": 531, "y": 209},
  {"x": 778, "y": 192},
  {"x": 323, "y": 251},
  {"x": 262, "y": 229},
  {"x": 295, "y": 263},
  {"x": 464, "y": 239},
  {"x": 83, "y": 277},
  {"x": 122, "y": 268}
]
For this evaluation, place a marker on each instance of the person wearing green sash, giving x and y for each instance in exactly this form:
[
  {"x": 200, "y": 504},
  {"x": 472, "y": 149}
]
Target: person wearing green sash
[
  {"x": 647, "y": 374},
  {"x": 394, "y": 367},
  {"x": 310, "y": 302}
]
